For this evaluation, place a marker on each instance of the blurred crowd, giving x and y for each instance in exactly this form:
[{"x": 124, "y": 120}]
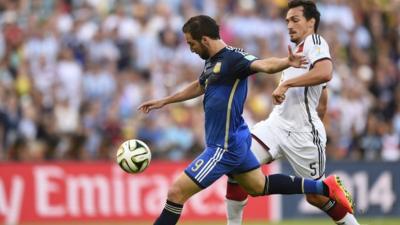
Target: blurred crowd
[{"x": 73, "y": 72}]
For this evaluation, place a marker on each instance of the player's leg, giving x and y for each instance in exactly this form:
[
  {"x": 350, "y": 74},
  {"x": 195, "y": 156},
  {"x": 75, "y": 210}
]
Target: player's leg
[
  {"x": 308, "y": 161},
  {"x": 307, "y": 158},
  {"x": 180, "y": 191},
  {"x": 236, "y": 196},
  {"x": 235, "y": 201},
  {"x": 249, "y": 175},
  {"x": 235, "y": 209},
  {"x": 201, "y": 173},
  {"x": 340, "y": 210},
  {"x": 283, "y": 184},
  {"x": 256, "y": 184}
]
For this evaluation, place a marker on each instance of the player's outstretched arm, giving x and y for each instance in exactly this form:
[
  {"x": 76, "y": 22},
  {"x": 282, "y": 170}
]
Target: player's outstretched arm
[
  {"x": 274, "y": 65},
  {"x": 320, "y": 73},
  {"x": 193, "y": 90}
]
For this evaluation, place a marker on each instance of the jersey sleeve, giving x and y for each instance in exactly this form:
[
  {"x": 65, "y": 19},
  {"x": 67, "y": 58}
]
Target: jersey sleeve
[
  {"x": 242, "y": 66},
  {"x": 316, "y": 49}
]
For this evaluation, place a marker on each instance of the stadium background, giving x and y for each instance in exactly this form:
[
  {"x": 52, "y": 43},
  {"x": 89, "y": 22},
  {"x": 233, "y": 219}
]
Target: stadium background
[{"x": 72, "y": 73}]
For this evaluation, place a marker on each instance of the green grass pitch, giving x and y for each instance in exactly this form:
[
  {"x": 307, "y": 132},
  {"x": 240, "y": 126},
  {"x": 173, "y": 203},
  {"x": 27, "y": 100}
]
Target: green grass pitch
[
  {"x": 379, "y": 221},
  {"x": 363, "y": 221}
]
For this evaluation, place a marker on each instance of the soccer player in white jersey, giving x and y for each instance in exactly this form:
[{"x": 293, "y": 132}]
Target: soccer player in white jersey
[{"x": 294, "y": 129}]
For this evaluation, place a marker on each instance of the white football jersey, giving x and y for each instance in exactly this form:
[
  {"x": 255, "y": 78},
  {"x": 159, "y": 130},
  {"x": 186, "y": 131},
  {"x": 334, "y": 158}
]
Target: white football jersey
[{"x": 298, "y": 111}]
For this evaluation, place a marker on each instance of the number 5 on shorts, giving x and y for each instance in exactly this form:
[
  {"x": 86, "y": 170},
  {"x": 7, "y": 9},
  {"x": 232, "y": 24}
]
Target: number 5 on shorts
[{"x": 312, "y": 166}]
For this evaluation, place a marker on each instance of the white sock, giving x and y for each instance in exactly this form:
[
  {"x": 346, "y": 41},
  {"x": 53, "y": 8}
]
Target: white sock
[
  {"x": 235, "y": 211},
  {"x": 348, "y": 219}
]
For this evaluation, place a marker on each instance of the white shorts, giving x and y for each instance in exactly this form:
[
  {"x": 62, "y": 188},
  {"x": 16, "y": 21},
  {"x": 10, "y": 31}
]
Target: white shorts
[{"x": 305, "y": 151}]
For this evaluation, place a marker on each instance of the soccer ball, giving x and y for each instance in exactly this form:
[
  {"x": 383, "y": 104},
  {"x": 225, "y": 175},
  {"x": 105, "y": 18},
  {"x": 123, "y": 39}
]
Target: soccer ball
[{"x": 133, "y": 156}]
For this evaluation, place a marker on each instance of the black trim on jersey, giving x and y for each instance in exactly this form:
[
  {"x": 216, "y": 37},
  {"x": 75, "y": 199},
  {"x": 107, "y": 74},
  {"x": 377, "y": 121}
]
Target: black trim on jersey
[
  {"x": 260, "y": 142},
  {"x": 312, "y": 64},
  {"x": 316, "y": 39},
  {"x": 315, "y": 135},
  {"x": 264, "y": 146}
]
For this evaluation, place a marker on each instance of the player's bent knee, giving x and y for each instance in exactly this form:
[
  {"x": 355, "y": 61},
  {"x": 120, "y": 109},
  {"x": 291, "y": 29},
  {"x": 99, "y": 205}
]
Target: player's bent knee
[
  {"x": 255, "y": 194},
  {"x": 176, "y": 195},
  {"x": 182, "y": 189},
  {"x": 253, "y": 190},
  {"x": 256, "y": 189},
  {"x": 253, "y": 182}
]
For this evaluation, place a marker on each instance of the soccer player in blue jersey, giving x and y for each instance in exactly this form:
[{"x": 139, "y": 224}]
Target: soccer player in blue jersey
[{"x": 223, "y": 83}]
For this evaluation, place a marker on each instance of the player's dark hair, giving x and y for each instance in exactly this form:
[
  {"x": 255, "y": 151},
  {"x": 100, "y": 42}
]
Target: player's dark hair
[
  {"x": 201, "y": 25},
  {"x": 309, "y": 10}
]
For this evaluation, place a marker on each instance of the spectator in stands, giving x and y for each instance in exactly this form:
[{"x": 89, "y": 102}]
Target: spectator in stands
[{"x": 73, "y": 72}]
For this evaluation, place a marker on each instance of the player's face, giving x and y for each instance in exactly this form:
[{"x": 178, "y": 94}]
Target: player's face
[
  {"x": 297, "y": 24},
  {"x": 197, "y": 47}
]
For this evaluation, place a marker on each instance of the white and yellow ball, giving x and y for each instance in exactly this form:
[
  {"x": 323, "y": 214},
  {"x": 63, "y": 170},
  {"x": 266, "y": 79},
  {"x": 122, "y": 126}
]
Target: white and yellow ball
[{"x": 133, "y": 156}]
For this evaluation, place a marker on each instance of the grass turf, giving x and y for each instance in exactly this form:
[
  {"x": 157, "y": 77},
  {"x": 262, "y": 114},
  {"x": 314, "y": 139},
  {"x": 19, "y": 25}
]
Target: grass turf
[{"x": 363, "y": 221}]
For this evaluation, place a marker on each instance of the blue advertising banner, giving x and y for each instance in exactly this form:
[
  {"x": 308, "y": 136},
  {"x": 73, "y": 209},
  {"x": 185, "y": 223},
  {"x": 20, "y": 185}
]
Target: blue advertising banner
[{"x": 375, "y": 187}]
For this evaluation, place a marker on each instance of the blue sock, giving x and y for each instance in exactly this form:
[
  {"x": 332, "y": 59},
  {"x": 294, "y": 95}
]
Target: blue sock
[
  {"x": 313, "y": 187},
  {"x": 170, "y": 215}
]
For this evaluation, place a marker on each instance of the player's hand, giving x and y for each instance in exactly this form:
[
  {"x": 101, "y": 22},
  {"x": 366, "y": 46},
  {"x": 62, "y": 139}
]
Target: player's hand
[
  {"x": 146, "y": 107},
  {"x": 278, "y": 95},
  {"x": 296, "y": 60}
]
